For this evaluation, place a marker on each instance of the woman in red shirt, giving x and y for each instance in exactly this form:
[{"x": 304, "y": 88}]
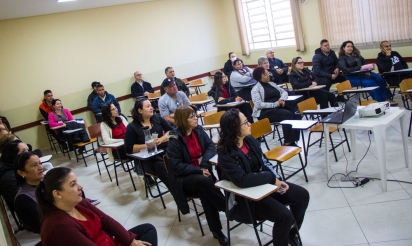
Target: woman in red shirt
[{"x": 68, "y": 219}]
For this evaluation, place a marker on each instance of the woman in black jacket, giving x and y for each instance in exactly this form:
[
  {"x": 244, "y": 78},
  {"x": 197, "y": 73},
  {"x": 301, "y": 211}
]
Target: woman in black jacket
[
  {"x": 242, "y": 161},
  {"x": 301, "y": 77},
  {"x": 190, "y": 172},
  {"x": 224, "y": 93}
]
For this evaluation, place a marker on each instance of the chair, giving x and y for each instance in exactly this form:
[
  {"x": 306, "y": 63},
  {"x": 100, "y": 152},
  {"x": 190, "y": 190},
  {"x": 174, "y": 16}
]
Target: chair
[
  {"x": 154, "y": 98},
  {"x": 95, "y": 132},
  {"x": 50, "y": 138},
  {"x": 196, "y": 83},
  {"x": 213, "y": 122},
  {"x": 347, "y": 86},
  {"x": 189, "y": 198},
  {"x": 154, "y": 95},
  {"x": 404, "y": 86},
  {"x": 81, "y": 144},
  {"x": 310, "y": 104},
  {"x": 276, "y": 126},
  {"x": 201, "y": 97},
  {"x": 261, "y": 129}
]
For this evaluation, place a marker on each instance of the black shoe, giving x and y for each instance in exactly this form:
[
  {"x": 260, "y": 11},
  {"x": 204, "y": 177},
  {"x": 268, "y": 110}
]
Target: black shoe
[
  {"x": 221, "y": 238},
  {"x": 292, "y": 144},
  {"x": 138, "y": 169},
  {"x": 150, "y": 181},
  {"x": 294, "y": 240},
  {"x": 340, "y": 98}
]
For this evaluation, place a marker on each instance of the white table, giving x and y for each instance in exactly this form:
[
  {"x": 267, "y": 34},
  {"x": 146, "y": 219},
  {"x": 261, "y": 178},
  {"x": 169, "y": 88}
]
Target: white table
[
  {"x": 144, "y": 156},
  {"x": 45, "y": 158},
  {"x": 230, "y": 105},
  {"x": 320, "y": 111},
  {"x": 255, "y": 193},
  {"x": 213, "y": 160},
  {"x": 293, "y": 98},
  {"x": 314, "y": 88},
  {"x": 113, "y": 145},
  {"x": 202, "y": 103},
  {"x": 378, "y": 125}
]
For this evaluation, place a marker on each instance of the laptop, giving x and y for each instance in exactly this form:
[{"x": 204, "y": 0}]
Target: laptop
[{"x": 340, "y": 116}]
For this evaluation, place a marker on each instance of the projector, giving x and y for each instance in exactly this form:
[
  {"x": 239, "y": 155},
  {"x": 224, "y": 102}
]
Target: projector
[{"x": 374, "y": 109}]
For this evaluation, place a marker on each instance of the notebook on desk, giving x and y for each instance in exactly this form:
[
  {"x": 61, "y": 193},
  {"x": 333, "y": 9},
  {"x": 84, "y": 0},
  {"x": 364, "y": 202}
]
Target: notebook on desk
[{"x": 341, "y": 116}]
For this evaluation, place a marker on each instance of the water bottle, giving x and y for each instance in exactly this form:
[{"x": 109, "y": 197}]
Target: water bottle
[{"x": 150, "y": 143}]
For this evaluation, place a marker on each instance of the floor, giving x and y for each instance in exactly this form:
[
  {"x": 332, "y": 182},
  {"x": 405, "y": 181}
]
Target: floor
[{"x": 337, "y": 215}]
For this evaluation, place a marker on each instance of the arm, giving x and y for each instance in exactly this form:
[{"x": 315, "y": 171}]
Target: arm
[
  {"x": 90, "y": 102},
  {"x": 283, "y": 66},
  {"x": 209, "y": 150},
  {"x": 68, "y": 114},
  {"x": 175, "y": 157},
  {"x": 131, "y": 137},
  {"x": 136, "y": 90},
  {"x": 43, "y": 113},
  {"x": 317, "y": 67},
  {"x": 257, "y": 100},
  {"x": 96, "y": 108},
  {"x": 296, "y": 84},
  {"x": 184, "y": 87},
  {"x": 345, "y": 67},
  {"x": 27, "y": 212},
  {"x": 149, "y": 87},
  {"x": 185, "y": 99},
  {"x": 403, "y": 62},
  {"x": 53, "y": 121}
]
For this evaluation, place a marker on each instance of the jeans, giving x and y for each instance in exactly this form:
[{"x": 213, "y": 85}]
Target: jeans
[{"x": 380, "y": 94}]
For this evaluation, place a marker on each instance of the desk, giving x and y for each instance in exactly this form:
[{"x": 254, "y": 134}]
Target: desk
[
  {"x": 398, "y": 72},
  {"x": 45, "y": 158},
  {"x": 293, "y": 98},
  {"x": 113, "y": 145},
  {"x": 144, "y": 156},
  {"x": 208, "y": 127},
  {"x": 230, "y": 105},
  {"x": 360, "y": 73},
  {"x": 361, "y": 90},
  {"x": 320, "y": 111},
  {"x": 309, "y": 89},
  {"x": 202, "y": 103},
  {"x": 196, "y": 86},
  {"x": 378, "y": 125},
  {"x": 255, "y": 193}
]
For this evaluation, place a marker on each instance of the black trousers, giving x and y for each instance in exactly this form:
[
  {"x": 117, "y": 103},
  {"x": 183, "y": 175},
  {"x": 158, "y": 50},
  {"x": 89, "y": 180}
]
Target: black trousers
[
  {"x": 211, "y": 198},
  {"x": 145, "y": 232},
  {"x": 273, "y": 208},
  {"x": 245, "y": 93},
  {"x": 277, "y": 115},
  {"x": 328, "y": 81},
  {"x": 157, "y": 167},
  {"x": 323, "y": 97}
]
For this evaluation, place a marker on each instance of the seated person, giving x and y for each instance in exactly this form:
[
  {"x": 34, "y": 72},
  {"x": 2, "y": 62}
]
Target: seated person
[
  {"x": 242, "y": 162},
  {"x": 5, "y": 139},
  {"x": 170, "y": 77},
  {"x": 46, "y": 104},
  {"x": 134, "y": 139},
  {"x": 325, "y": 64},
  {"x": 103, "y": 98},
  {"x": 171, "y": 100},
  {"x": 301, "y": 77},
  {"x": 273, "y": 75},
  {"x": 241, "y": 79},
  {"x": 62, "y": 117},
  {"x": 5, "y": 121},
  {"x": 350, "y": 60},
  {"x": 140, "y": 87},
  {"x": 224, "y": 93},
  {"x": 68, "y": 219},
  {"x": 278, "y": 65},
  {"x": 113, "y": 128},
  {"x": 269, "y": 100},
  {"x": 190, "y": 172},
  {"x": 92, "y": 95},
  {"x": 228, "y": 67},
  {"x": 389, "y": 61}
]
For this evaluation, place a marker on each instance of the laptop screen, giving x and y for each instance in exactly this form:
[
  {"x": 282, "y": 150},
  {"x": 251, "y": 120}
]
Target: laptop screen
[{"x": 350, "y": 108}]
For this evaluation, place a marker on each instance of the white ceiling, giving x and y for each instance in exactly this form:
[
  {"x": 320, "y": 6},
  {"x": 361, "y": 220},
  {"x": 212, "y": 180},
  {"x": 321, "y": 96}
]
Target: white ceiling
[{"x": 10, "y": 9}]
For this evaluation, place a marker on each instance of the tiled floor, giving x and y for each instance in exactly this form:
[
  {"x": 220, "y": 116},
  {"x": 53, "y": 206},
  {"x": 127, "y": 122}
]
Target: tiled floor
[{"x": 335, "y": 216}]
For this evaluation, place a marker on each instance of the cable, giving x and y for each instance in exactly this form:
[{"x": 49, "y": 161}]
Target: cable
[{"x": 392, "y": 180}]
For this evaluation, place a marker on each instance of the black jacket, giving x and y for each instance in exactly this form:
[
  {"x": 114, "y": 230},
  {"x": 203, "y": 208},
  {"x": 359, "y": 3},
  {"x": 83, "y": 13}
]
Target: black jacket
[
  {"x": 385, "y": 63},
  {"x": 8, "y": 184},
  {"x": 349, "y": 64},
  {"x": 216, "y": 92},
  {"x": 181, "y": 86},
  {"x": 228, "y": 68},
  {"x": 90, "y": 99},
  {"x": 323, "y": 66},
  {"x": 300, "y": 81},
  {"x": 179, "y": 163},
  {"x": 235, "y": 167},
  {"x": 138, "y": 91}
]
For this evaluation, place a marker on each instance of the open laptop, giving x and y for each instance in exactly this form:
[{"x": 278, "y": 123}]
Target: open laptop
[{"x": 340, "y": 116}]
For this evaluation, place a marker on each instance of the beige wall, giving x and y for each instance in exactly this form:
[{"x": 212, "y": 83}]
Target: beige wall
[{"x": 66, "y": 52}]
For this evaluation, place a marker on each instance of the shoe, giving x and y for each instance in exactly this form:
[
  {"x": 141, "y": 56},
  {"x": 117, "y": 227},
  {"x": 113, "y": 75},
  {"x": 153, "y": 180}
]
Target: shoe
[
  {"x": 221, "y": 238},
  {"x": 92, "y": 201},
  {"x": 393, "y": 103},
  {"x": 150, "y": 181},
  {"x": 138, "y": 169},
  {"x": 292, "y": 144},
  {"x": 340, "y": 98},
  {"x": 294, "y": 240}
]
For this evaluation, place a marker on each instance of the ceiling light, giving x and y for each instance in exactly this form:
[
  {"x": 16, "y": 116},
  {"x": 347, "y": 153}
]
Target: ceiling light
[{"x": 61, "y": 1}]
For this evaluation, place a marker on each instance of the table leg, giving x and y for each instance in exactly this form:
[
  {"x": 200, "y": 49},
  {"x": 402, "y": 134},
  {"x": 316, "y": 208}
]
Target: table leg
[
  {"x": 326, "y": 134},
  {"x": 352, "y": 133},
  {"x": 304, "y": 148},
  {"x": 379, "y": 133},
  {"x": 402, "y": 121}
]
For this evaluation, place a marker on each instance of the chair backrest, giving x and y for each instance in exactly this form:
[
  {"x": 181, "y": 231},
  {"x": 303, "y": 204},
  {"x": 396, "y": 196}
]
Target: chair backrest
[
  {"x": 213, "y": 118},
  {"x": 308, "y": 104},
  {"x": 196, "y": 82},
  {"x": 252, "y": 105},
  {"x": 166, "y": 163},
  {"x": 184, "y": 81},
  {"x": 212, "y": 73},
  {"x": 154, "y": 94},
  {"x": 405, "y": 85},
  {"x": 200, "y": 97},
  {"x": 343, "y": 86},
  {"x": 94, "y": 130},
  {"x": 260, "y": 128}
]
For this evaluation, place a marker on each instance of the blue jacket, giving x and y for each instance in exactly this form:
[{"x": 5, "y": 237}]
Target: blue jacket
[{"x": 98, "y": 103}]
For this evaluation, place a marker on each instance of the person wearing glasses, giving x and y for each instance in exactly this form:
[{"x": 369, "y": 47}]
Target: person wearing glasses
[
  {"x": 140, "y": 87},
  {"x": 171, "y": 100},
  {"x": 190, "y": 172},
  {"x": 269, "y": 102},
  {"x": 302, "y": 77},
  {"x": 170, "y": 77},
  {"x": 242, "y": 162},
  {"x": 277, "y": 65}
]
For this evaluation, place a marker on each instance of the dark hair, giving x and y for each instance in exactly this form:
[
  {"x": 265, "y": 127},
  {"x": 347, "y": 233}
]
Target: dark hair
[
  {"x": 20, "y": 162},
  {"x": 381, "y": 44},
  {"x": 47, "y": 92},
  {"x": 323, "y": 41},
  {"x": 107, "y": 115},
  {"x": 293, "y": 64},
  {"x": 53, "y": 180},
  {"x": 5, "y": 139},
  {"x": 167, "y": 69},
  {"x": 257, "y": 73},
  {"x": 236, "y": 61},
  {"x": 229, "y": 131},
  {"x": 10, "y": 151},
  {"x": 135, "y": 112},
  {"x": 355, "y": 51},
  {"x": 231, "y": 53},
  {"x": 99, "y": 85},
  {"x": 55, "y": 100},
  {"x": 182, "y": 113},
  {"x": 218, "y": 80}
]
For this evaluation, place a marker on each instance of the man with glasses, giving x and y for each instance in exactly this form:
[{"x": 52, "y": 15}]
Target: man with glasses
[
  {"x": 170, "y": 76},
  {"x": 171, "y": 100},
  {"x": 389, "y": 61},
  {"x": 277, "y": 65},
  {"x": 140, "y": 87}
]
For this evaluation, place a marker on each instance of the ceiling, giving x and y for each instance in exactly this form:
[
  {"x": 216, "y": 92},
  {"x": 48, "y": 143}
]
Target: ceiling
[{"x": 10, "y": 9}]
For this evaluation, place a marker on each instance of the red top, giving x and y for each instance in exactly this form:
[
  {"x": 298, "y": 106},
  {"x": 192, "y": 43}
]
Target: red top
[
  {"x": 93, "y": 226},
  {"x": 195, "y": 150},
  {"x": 244, "y": 148},
  {"x": 225, "y": 94},
  {"x": 118, "y": 132}
]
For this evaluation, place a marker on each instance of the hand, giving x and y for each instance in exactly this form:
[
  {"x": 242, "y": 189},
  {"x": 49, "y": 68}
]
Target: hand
[
  {"x": 282, "y": 186},
  {"x": 238, "y": 99},
  {"x": 146, "y": 93},
  {"x": 281, "y": 103},
  {"x": 220, "y": 99},
  {"x": 334, "y": 76},
  {"x": 336, "y": 71},
  {"x": 139, "y": 243},
  {"x": 205, "y": 172},
  {"x": 387, "y": 52},
  {"x": 279, "y": 70},
  {"x": 158, "y": 141}
]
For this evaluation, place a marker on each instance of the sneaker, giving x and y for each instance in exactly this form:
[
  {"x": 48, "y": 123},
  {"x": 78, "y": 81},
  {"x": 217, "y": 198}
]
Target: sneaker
[
  {"x": 92, "y": 201},
  {"x": 393, "y": 103}
]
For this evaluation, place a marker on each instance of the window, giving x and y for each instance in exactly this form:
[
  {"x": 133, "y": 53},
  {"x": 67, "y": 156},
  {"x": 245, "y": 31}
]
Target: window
[
  {"x": 366, "y": 22},
  {"x": 268, "y": 23}
]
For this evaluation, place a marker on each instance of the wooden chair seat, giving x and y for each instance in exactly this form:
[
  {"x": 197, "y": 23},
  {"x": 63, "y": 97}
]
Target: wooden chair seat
[
  {"x": 282, "y": 153},
  {"x": 319, "y": 128},
  {"x": 92, "y": 140},
  {"x": 207, "y": 113}
]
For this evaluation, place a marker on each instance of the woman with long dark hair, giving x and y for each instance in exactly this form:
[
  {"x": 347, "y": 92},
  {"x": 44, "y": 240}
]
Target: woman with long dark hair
[
  {"x": 68, "y": 219},
  {"x": 242, "y": 162}
]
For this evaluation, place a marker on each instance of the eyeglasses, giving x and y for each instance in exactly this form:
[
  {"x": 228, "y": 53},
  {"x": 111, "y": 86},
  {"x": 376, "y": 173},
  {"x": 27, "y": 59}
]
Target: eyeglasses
[
  {"x": 245, "y": 123},
  {"x": 192, "y": 116},
  {"x": 300, "y": 63},
  {"x": 112, "y": 109},
  {"x": 139, "y": 74}
]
